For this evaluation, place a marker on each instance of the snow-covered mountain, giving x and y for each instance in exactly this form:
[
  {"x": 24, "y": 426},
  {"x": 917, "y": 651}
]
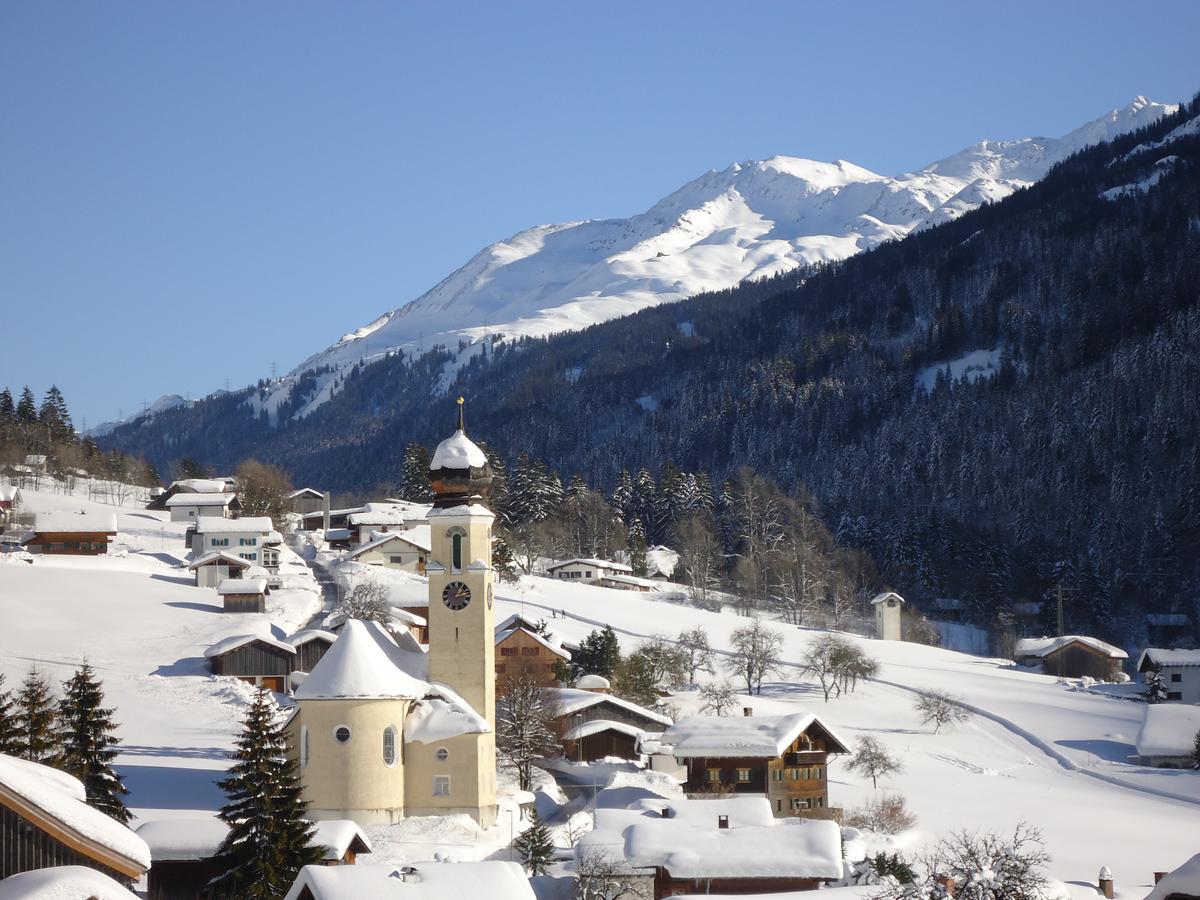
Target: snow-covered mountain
[{"x": 750, "y": 220}]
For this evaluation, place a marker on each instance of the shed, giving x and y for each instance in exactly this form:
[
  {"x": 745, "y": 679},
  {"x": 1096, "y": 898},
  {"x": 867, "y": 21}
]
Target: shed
[
  {"x": 1071, "y": 656},
  {"x": 257, "y": 659},
  {"x": 311, "y": 645},
  {"x": 241, "y": 595},
  {"x": 601, "y": 738}
]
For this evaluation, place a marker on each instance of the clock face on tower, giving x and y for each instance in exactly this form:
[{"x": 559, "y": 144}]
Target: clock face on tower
[{"x": 456, "y": 595}]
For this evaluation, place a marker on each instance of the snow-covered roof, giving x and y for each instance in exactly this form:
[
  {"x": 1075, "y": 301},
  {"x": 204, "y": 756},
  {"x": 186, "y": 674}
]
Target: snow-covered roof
[
  {"x": 242, "y": 586},
  {"x": 183, "y": 839},
  {"x": 886, "y": 595},
  {"x": 592, "y": 683},
  {"x": 1159, "y": 657},
  {"x": 62, "y": 883},
  {"x": 305, "y": 492},
  {"x": 595, "y": 726},
  {"x": 387, "y": 538},
  {"x": 633, "y": 580},
  {"x": 750, "y": 736},
  {"x": 549, "y": 645},
  {"x": 1169, "y": 729},
  {"x": 50, "y": 522},
  {"x": 457, "y": 452},
  {"x": 501, "y": 880},
  {"x": 240, "y": 640},
  {"x": 201, "y": 485},
  {"x": 356, "y": 667},
  {"x": 388, "y": 514},
  {"x": 597, "y": 563},
  {"x": 312, "y": 634},
  {"x": 60, "y": 798},
  {"x": 572, "y": 700},
  {"x": 199, "y": 500},
  {"x": 661, "y": 560},
  {"x": 460, "y": 511},
  {"x": 221, "y": 525},
  {"x": 1046, "y": 645},
  {"x": 1185, "y": 881},
  {"x": 440, "y": 715},
  {"x": 338, "y": 534},
  {"x": 338, "y": 835},
  {"x": 9, "y": 493},
  {"x": 809, "y": 848},
  {"x": 219, "y": 556}
]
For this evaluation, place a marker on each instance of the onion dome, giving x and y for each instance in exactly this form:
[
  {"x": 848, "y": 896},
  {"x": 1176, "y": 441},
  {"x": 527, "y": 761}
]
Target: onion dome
[{"x": 459, "y": 471}]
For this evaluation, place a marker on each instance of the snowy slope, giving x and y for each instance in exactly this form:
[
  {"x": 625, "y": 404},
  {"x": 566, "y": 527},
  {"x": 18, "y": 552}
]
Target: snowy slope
[{"x": 747, "y": 221}]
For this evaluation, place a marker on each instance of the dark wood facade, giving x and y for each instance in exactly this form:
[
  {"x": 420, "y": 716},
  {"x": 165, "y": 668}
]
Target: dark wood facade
[
  {"x": 609, "y": 742},
  {"x": 73, "y": 543},
  {"x": 665, "y": 885},
  {"x": 181, "y": 879},
  {"x": 1077, "y": 659},
  {"x": 245, "y": 603},
  {"x": 257, "y": 663},
  {"x": 520, "y": 655},
  {"x": 25, "y": 845},
  {"x": 310, "y": 653}
]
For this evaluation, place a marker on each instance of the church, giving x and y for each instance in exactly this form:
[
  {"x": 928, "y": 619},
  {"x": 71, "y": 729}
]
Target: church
[{"x": 383, "y": 730}]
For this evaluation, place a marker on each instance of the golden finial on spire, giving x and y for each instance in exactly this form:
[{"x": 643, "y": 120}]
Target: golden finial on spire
[{"x": 461, "y": 426}]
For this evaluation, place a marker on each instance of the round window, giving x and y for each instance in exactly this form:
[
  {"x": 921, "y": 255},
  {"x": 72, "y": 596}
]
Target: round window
[
  {"x": 442, "y": 754},
  {"x": 341, "y": 734}
]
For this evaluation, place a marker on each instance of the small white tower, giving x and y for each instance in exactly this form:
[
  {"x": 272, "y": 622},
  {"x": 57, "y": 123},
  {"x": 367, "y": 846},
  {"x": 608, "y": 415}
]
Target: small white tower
[{"x": 888, "y": 606}]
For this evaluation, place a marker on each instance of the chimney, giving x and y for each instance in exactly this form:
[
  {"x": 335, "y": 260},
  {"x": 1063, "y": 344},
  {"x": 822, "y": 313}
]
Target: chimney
[
  {"x": 722, "y": 821},
  {"x": 1106, "y": 882},
  {"x": 947, "y": 882},
  {"x": 747, "y": 711},
  {"x": 325, "y": 510}
]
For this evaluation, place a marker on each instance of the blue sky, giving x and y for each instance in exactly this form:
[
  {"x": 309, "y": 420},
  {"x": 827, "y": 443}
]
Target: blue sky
[{"x": 190, "y": 192}]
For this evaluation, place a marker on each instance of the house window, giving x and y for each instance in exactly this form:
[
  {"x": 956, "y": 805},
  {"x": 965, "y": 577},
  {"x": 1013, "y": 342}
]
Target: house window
[
  {"x": 793, "y": 774},
  {"x": 818, "y": 772},
  {"x": 743, "y": 776},
  {"x": 456, "y": 550},
  {"x": 341, "y": 734},
  {"x": 442, "y": 754},
  {"x": 818, "y": 802},
  {"x": 508, "y": 651},
  {"x": 247, "y": 542},
  {"x": 530, "y": 651},
  {"x": 389, "y": 746},
  {"x": 589, "y": 573},
  {"x": 714, "y": 775},
  {"x": 1174, "y": 695},
  {"x": 777, "y": 774},
  {"x": 799, "y": 803},
  {"x": 396, "y": 560},
  {"x": 441, "y": 785},
  {"x": 1176, "y": 677},
  {"x": 249, "y": 556}
]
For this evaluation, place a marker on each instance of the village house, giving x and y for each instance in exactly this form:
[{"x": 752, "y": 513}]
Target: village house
[
  {"x": 257, "y": 659},
  {"x": 1168, "y": 735},
  {"x": 244, "y": 595},
  {"x": 45, "y": 822},
  {"x": 306, "y": 500},
  {"x": 1182, "y": 883},
  {"x": 495, "y": 879},
  {"x": 340, "y": 538},
  {"x": 593, "y": 724},
  {"x": 338, "y": 518},
  {"x": 586, "y": 571},
  {"x": 785, "y": 758},
  {"x": 521, "y": 652},
  {"x": 185, "y": 851},
  {"x": 1071, "y": 656},
  {"x": 661, "y": 563},
  {"x": 75, "y": 534},
  {"x": 389, "y": 517},
  {"x": 405, "y": 551},
  {"x": 665, "y": 846},
  {"x": 252, "y": 539},
  {"x": 213, "y": 568},
  {"x": 10, "y": 504},
  {"x": 158, "y": 500},
  {"x": 190, "y": 507},
  {"x": 1180, "y": 670}
]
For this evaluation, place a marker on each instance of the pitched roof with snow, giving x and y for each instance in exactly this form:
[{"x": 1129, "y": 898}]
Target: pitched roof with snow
[
  {"x": 1184, "y": 882},
  {"x": 221, "y": 557},
  {"x": 457, "y": 452},
  {"x": 592, "y": 682},
  {"x": 427, "y": 881},
  {"x": 356, "y": 667},
  {"x": 1169, "y": 729},
  {"x": 596, "y": 726},
  {"x": 62, "y": 883},
  {"x": 1159, "y": 657},
  {"x": 1044, "y": 646},
  {"x": 241, "y": 640},
  {"x": 338, "y": 836},
  {"x": 311, "y": 634},
  {"x": 749, "y": 736},
  {"x": 886, "y": 595},
  {"x": 571, "y": 700},
  {"x": 386, "y": 538},
  {"x": 221, "y": 525},
  {"x": 201, "y": 485},
  {"x": 9, "y": 493},
  {"x": 598, "y": 563},
  {"x": 173, "y": 840},
  {"x": 305, "y": 492},
  {"x": 199, "y": 500},
  {"x": 242, "y": 586},
  {"x": 632, "y": 580},
  {"x": 60, "y": 522},
  {"x": 549, "y": 645},
  {"x": 60, "y": 799}
]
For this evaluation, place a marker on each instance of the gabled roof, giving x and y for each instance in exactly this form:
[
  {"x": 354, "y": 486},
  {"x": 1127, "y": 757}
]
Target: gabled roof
[
  {"x": 305, "y": 492},
  {"x": 764, "y": 737},
  {"x": 1184, "y": 881},
  {"x": 201, "y": 485},
  {"x": 886, "y": 595},
  {"x": 221, "y": 557},
  {"x": 242, "y": 586},
  {"x": 338, "y": 836},
  {"x": 552, "y": 647},
  {"x": 571, "y": 700},
  {"x": 1154, "y": 656},
  {"x": 387, "y": 538},
  {"x": 1044, "y": 646},
  {"x": 57, "y": 882},
  {"x": 596, "y": 726},
  {"x": 61, "y": 522},
  {"x": 311, "y": 634},
  {"x": 175, "y": 840},
  {"x": 241, "y": 640},
  {"x": 598, "y": 563},
  {"x": 9, "y": 493},
  {"x": 55, "y": 802},
  {"x": 356, "y": 667},
  {"x": 221, "y": 525},
  {"x": 199, "y": 499}
]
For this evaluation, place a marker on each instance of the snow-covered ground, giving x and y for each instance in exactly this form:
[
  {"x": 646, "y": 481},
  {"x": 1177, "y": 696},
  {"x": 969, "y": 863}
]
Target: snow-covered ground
[{"x": 1037, "y": 750}]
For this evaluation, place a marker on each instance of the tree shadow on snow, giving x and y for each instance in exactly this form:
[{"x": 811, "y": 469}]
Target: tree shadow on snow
[
  {"x": 1112, "y": 751},
  {"x": 163, "y": 787},
  {"x": 173, "y": 579},
  {"x": 202, "y": 607},
  {"x": 176, "y": 752},
  {"x": 787, "y": 689}
]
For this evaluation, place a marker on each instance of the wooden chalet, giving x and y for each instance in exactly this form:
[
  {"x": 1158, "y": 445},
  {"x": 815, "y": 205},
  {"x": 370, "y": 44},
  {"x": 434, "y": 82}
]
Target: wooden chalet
[
  {"x": 74, "y": 534},
  {"x": 257, "y": 659},
  {"x": 522, "y": 652},
  {"x": 593, "y": 725},
  {"x": 244, "y": 595},
  {"x": 311, "y": 645},
  {"x": 785, "y": 758},
  {"x": 306, "y": 500},
  {"x": 46, "y": 822},
  {"x": 1072, "y": 656}
]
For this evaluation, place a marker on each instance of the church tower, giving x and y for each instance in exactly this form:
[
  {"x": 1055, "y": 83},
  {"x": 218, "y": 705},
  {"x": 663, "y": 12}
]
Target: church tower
[{"x": 462, "y": 642}]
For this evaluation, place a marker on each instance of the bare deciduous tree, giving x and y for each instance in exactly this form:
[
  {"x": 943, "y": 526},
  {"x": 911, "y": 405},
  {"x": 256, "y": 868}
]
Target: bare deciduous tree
[
  {"x": 872, "y": 760},
  {"x": 602, "y": 876},
  {"x": 756, "y": 650},
  {"x": 717, "y": 698},
  {"x": 939, "y": 708},
  {"x": 694, "y": 645},
  {"x": 524, "y": 732}
]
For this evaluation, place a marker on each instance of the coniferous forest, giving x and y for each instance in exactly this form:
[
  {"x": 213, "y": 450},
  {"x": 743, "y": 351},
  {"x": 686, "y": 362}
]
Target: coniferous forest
[{"x": 1075, "y": 465}]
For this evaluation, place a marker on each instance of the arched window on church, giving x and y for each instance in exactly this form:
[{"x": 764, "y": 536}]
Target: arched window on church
[
  {"x": 456, "y": 538},
  {"x": 389, "y": 746},
  {"x": 303, "y": 746}
]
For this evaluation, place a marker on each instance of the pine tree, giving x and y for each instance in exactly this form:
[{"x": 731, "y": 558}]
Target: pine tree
[
  {"x": 1156, "y": 688},
  {"x": 54, "y": 415},
  {"x": 269, "y": 839},
  {"x": 35, "y": 715},
  {"x": 535, "y": 846},
  {"x": 414, "y": 478},
  {"x": 8, "y": 722},
  {"x": 637, "y": 548},
  {"x": 599, "y": 654},
  {"x": 86, "y": 734},
  {"x": 7, "y": 409},
  {"x": 26, "y": 407}
]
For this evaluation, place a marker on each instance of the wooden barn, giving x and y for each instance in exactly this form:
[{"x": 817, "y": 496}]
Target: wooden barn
[
  {"x": 1072, "y": 656},
  {"x": 45, "y": 822},
  {"x": 244, "y": 595},
  {"x": 522, "y": 652},
  {"x": 254, "y": 658},
  {"x": 75, "y": 534},
  {"x": 307, "y": 500},
  {"x": 601, "y": 738},
  {"x": 311, "y": 644}
]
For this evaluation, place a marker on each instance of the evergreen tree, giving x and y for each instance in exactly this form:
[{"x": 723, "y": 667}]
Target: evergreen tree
[
  {"x": 535, "y": 846},
  {"x": 87, "y": 743},
  {"x": 54, "y": 415},
  {"x": 7, "y": 409},
  {"x": 599, "y": 654},
  {"x": 1196, "y": 751},
  {"x": 26, "y": 407},
  {"x": 8, "y": 722},
  {"x": 414, "y": 477},
  {"x": 637, "y": 548},
  {"x": 34, "y": 732},
  {"x": 269, "y": 839},
  {"x": 1156, "y": 688}
]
